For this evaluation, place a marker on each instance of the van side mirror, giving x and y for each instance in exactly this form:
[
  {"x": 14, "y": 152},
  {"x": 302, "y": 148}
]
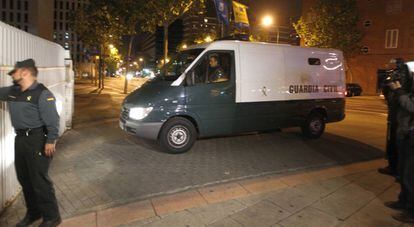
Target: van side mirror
[{"x": 189, "y": 78}]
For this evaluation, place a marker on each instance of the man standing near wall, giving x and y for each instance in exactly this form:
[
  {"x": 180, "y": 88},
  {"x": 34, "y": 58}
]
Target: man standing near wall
[{"x": 36, "y": 121}]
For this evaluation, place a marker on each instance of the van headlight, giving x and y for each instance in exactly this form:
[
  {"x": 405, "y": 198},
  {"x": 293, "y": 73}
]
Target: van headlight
[{"x": 139, "y": 113}]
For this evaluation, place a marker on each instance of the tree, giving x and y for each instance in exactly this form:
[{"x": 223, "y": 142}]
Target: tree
[
  {"x": 164, "y": 12},
  {"x": 97, "y": 27},
  {"x": 331, "y": 24}
]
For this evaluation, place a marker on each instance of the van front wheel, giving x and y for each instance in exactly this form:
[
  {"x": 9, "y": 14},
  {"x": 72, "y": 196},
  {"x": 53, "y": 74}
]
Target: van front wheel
[
  {"x": 314, "y": 126},
  {"x": 177, "y": 136}
]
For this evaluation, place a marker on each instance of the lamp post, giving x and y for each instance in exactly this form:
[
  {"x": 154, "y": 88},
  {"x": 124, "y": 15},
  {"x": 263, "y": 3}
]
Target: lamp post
[{"x": 267, "y": 22}]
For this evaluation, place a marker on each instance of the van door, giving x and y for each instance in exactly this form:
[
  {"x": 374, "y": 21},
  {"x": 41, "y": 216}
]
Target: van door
[{"x": 210, "y": 92}]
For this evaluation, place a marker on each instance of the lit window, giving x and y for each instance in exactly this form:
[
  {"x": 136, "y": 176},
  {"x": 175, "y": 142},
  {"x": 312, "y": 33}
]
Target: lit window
[{"x": 391, "y": 38}]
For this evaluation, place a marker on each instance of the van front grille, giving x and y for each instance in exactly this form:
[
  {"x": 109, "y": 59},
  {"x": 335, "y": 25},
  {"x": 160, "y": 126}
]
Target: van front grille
[{"x": 125, "y": 113}]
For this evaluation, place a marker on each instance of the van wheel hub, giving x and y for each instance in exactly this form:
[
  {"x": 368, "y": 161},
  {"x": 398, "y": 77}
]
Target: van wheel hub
[
  {"x": 315, "y": 126},
  {"x": 178, "y": 136}
]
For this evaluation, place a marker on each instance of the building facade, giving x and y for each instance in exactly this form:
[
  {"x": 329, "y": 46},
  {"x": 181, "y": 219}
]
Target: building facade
[
  {"x": 62, "y": 32},
  {"x": 388, "y": 32},
  {"x": 33, "y": 16}
]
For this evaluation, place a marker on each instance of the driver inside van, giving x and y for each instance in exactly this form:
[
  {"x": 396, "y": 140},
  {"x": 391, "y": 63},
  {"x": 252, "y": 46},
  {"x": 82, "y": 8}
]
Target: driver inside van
[{"x": 216, "y": 72}]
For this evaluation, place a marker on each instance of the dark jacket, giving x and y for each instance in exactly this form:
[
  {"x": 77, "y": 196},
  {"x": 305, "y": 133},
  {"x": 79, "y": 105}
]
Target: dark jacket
[{"x": 405, "y": 116}]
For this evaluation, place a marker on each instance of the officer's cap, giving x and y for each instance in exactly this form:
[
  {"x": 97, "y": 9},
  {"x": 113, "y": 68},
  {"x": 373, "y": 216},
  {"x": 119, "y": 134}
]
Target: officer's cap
[{"x": 28, "y": 63}]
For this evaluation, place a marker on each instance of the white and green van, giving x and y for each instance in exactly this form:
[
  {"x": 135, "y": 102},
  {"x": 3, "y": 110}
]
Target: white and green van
[{"x": 231, "y": 87}]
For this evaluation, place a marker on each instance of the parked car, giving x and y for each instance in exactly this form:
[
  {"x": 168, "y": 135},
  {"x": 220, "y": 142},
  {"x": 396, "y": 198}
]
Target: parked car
[
  {"x": 230, "y": 87},
  {"x": 353, "y": 89}
]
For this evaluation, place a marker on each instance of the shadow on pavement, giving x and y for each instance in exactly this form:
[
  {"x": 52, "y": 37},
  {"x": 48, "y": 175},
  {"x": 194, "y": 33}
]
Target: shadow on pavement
[{"x": 101, "y": 166}]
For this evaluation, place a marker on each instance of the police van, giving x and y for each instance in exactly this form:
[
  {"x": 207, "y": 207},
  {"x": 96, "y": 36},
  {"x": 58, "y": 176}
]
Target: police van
[{"x": 232, "y": 87}]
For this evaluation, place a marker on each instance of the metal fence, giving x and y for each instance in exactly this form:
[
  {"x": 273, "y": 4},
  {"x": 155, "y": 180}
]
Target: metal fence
[{"x": 55, "y": 72}]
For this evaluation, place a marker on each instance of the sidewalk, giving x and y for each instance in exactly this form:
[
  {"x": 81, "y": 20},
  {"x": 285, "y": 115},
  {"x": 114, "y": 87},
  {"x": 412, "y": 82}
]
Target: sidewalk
[{"x": 350, "y": 195}]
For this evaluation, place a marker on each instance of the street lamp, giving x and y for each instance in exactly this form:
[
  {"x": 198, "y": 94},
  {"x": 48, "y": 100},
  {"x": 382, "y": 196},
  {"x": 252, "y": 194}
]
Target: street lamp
[
  {"x": 141, "y": 59},
  {"x": 267, "y": 22},
  {"x": 208, "y": 39}
]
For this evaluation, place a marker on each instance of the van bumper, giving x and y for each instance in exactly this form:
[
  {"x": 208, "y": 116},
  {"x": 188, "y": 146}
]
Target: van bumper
[{"x": 147, "y": 130}]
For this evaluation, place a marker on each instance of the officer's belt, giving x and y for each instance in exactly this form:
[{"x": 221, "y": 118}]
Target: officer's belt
[{"x": 30, "y": 131}]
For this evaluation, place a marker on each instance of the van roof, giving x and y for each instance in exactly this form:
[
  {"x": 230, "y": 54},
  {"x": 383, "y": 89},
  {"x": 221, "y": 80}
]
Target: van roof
[{"x": 227, "y": 42}]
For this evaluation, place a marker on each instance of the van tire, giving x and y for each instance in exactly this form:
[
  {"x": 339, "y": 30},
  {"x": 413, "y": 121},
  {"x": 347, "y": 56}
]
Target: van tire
[
  {"x": 314, "y": 126},
  {"x": 177, "y": 136}
]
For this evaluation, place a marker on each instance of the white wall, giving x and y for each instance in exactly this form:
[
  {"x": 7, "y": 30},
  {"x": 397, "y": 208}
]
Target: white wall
[{"x": 54, "y": 72}]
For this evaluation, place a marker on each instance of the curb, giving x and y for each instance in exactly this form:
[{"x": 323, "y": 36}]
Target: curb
[{"x": 162, "y": 205}]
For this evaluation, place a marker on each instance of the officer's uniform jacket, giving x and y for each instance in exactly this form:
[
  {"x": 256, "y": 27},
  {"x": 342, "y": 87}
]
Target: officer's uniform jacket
[{"x": 32, "y": 108}]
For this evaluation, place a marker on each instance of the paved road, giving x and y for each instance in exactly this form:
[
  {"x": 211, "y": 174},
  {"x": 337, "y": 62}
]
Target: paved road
[{"x": 100, "y": 166}]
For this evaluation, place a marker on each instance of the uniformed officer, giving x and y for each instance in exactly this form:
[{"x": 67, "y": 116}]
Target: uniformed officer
[{"x": 36, "y": 121}]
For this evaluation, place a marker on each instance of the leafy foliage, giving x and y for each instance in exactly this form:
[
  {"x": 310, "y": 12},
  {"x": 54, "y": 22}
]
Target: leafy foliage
[
  {"x": 331, "y": 24},
  {"x": 165, "y": 12}
]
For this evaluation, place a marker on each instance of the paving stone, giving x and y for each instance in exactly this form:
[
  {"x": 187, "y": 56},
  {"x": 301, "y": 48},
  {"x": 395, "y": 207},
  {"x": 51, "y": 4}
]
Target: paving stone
[
  {"x": 292, "y": 199},
  {"x": 83, "y": 220},
  {"x": 223, "y": 192},
  {"x": 141, "y": 222},
  {"x": 374, "y": 182},
  {"x": 261, "y": 214},
  {"x": 373, "y": 214},
  {"x": 226, "y": 222},
  {"x": 125, "y": 214},
  {"x": 345, "y": 201},
  {"x": 253, "y": 199},
  {"x": 310, "y": 217},
  {"x": 177, "y": 202},
  {"x": 179, "y": 219},
  {"x": 262, "y": 185},
  {"x": 213, "y": 212}
]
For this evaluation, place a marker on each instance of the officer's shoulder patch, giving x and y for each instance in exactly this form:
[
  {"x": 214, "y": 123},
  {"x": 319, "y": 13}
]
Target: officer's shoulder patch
[{"x": 50, "y": 99}]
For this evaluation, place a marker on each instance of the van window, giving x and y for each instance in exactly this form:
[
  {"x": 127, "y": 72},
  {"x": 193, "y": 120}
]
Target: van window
[
  {"x": 215, "y": 67},
  {"x": 314, "y": 61}
]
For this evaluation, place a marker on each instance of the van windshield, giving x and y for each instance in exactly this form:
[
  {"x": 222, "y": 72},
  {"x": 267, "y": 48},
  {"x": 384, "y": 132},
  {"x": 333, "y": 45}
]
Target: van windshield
[{"x": 177, "y": 65}]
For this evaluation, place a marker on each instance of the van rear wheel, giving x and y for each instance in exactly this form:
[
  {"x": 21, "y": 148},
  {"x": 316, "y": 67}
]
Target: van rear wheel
[
  {"x": 314, "y": 126},
  {"x": 177, "y": 136}
]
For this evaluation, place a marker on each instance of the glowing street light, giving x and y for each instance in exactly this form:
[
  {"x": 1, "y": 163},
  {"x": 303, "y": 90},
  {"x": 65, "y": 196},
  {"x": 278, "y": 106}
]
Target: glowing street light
[
  {"x": 141, "y": 59},
  {"x": 208, "y": 39},
  {"x": 135, "y": 63},
  {"x": 184, "y": 46},
  {"x": 267, "y": 21},
  {"x": 129, "y": 76},
  {"x": 111, "y": 46}
]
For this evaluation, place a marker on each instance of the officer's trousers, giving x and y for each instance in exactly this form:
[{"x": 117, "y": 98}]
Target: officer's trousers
[
  {"x": 32, "y": 172},
  {"x": 407, "y": 172}
]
